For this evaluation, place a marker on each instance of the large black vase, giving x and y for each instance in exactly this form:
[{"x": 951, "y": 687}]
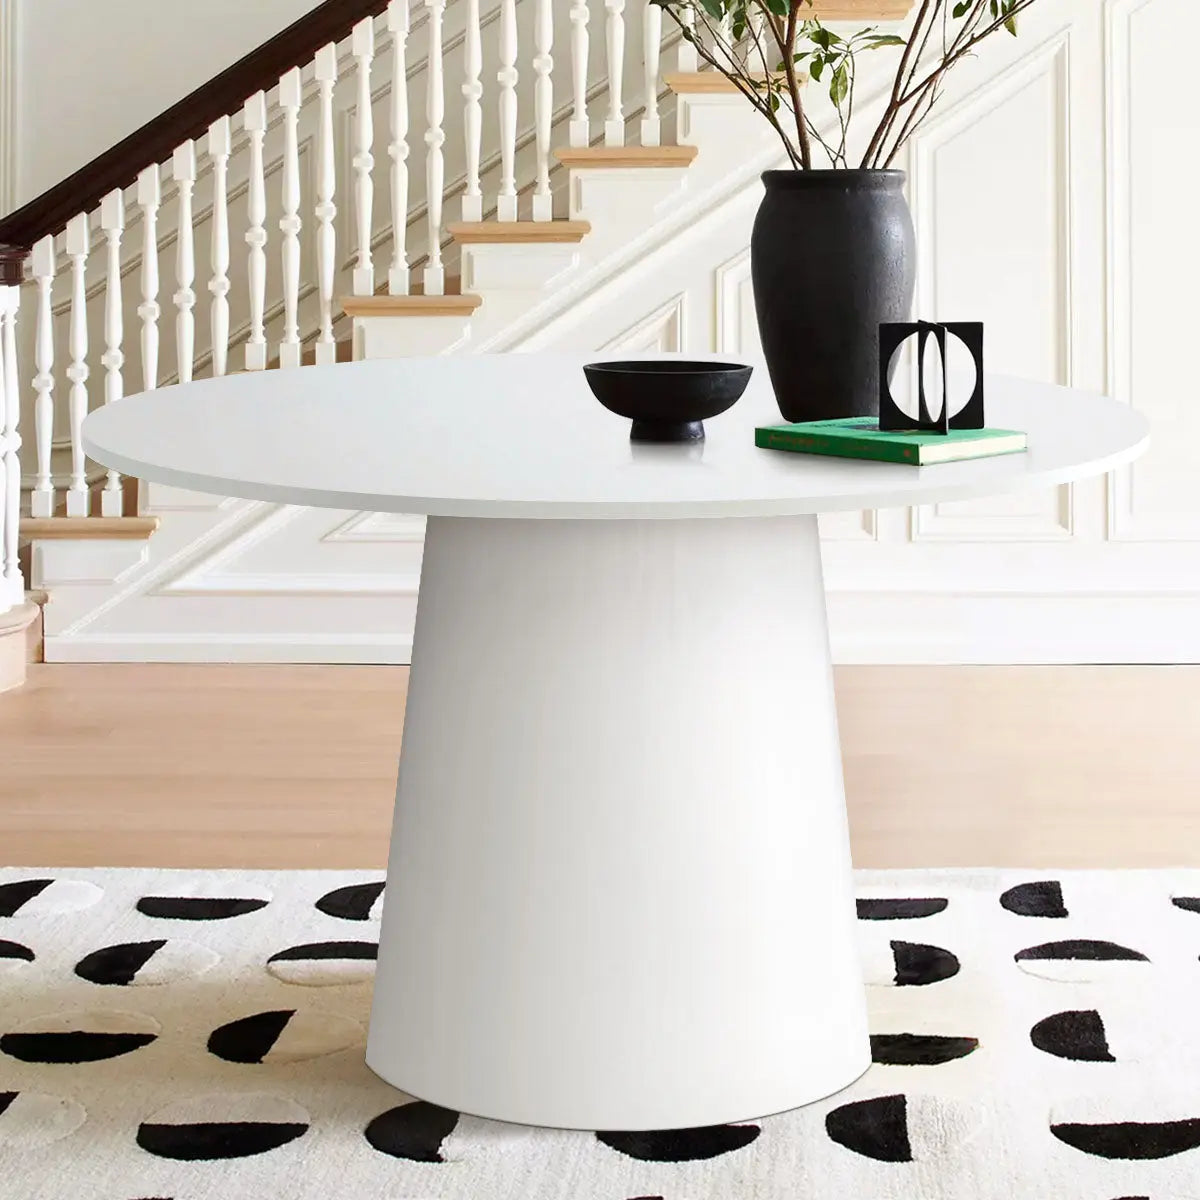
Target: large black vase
[{"x": 832, "y": 257}]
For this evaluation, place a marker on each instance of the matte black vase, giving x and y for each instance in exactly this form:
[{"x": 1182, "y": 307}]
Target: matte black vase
[{"x": 832, "y": 257}]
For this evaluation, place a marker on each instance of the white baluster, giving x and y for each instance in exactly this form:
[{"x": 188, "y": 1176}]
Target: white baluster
[
  {"x": 398, "y": 22},
  {"x": 220, "y": 143},
  {"x": 579, "y": 131},
  {"x": 543, "y": 106},
  {"x": 686, "y": 58},
  {"x": 652, "y": 54},
  {"x": 290, "y": 98},
  {"x": 10, "y": 437},
  {"x": 506, "y": 204},
  {"x": 149, "y": 195},
  {"x": 184, "y": 170},
  {"x": 43, "y": 265},
  {"x": 472, "y": 90},
  {"x": 614, "y": 126},
  {"x": 435, "y": 139},
  {"x": 362, "y": 46},
  {"x": 254, "y": 120},
  {"x": 326, "y": 72},
  {"x": 79, "y": 243},
  {"x": 112, "y": 221}
]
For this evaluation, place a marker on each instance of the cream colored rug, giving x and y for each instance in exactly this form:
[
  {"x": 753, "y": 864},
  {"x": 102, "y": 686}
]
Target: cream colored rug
[{"x": 199, "y": 1036}]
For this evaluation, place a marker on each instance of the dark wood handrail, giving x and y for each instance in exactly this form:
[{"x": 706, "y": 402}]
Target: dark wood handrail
[{"x": 158, "y": 139}]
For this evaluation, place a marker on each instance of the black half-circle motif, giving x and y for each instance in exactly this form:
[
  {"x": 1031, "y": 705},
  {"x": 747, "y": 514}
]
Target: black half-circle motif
[
  {"x": 14, "y": 950},
  {"x": 1084, "y": 949},
  {"x": 413, "y": 1131},
  {"x": 117, "y": 965},
  {"x": 1131, "y": 1139},
  {"x": 326, "y": 950},
  {"x": 249, "y": 1040},
  {"x": 918, "y": 965},
  {"x": 1187, "y": 903},
  {"x": 681, "y": 1145},
  {"x": 919, "y": 1049},
  {"x": 13, "y": 896},
  {"x": 876, "y": 1128},
  {"x": 199, "y": 908},
  {"x": 1077, "y": 1035},
  {"x": 216, "y": 1139},
  {"x": 71, "y": 1046},
  {"x": 351, "y": 903},
  {"x": 901, "y": 909},
  {"x": 1040, "y": 898}
]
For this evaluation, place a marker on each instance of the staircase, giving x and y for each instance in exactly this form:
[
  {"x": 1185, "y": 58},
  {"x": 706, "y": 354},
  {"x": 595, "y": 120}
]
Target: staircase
[{"x": 255, "y": 242}]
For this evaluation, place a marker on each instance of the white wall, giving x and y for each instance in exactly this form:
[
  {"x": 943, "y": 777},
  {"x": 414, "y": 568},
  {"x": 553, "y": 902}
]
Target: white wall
[{"x": 89, "y": 72}]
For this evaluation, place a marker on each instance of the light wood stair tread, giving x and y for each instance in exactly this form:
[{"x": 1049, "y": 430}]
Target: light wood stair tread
[
  {"x": 518, "y": 232},
  {"x": 42, "y": 528},
  {"x": 713, "y": 83},
  {"x": 626, "y": 156},
  {"x": 417, "y": 305}
]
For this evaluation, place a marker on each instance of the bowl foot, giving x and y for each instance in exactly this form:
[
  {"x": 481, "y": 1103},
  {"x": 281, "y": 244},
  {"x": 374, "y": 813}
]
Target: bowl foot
[{"x": 667, "y": 431}]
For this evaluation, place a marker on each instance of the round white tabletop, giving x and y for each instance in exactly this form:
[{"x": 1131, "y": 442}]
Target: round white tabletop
[{"x": 522, "y": 436}]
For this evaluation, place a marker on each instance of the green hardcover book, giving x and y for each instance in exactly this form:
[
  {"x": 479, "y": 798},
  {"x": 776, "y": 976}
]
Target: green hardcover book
[{"x": 861, "y": 437}]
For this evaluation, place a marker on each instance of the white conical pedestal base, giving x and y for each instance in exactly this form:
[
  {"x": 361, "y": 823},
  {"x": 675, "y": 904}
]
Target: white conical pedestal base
[{"x": 619, "y": 893}]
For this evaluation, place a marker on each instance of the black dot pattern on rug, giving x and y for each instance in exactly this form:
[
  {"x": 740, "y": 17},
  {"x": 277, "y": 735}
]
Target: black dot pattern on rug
[
  {"x": 284, "y": 1035},
  {"x": 353, "y": 903},
  {"x": 1132, "y": 1140},
  {"x": 153, "y": 962},
  {"x": 14, "y": 951},
  {"x": 14, "y": 896},
  {"x": 1040, "y": 898},
  {"x": 250, "y": 1039},
  {"x": 115, "y": 966},
  {"x": 918, "y": 965},
  {"x": 199, "y": 908},
  {"x": 221, "y": 1127},
  {"x": 919, "y": 1049},
  {"x": 1076, "y": 1035},
  {"x": 682, "y": 1145},
  {"x": 320, "y": 964},
  {"x": 1080, "y": 949},
  {"x": 79, "y": 1037},
  {"x": 6, "y": 1098},
  {"x": 76, "y": 1047},
  {"x": 900, "y": 909},
  {"x": 1187, "y": 903},
  {"x": 413, "y": 1131},
  {"x": 907, "y": 909},
  {"x": 876, "y": 1128}
]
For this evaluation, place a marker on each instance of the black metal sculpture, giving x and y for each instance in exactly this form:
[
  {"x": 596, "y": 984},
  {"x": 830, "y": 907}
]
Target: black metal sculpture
[{"x": 892, "y": 417}]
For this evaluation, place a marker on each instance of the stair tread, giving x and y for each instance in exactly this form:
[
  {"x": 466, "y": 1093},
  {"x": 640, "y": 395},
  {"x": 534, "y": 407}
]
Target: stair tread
[
  {"x": 417, "y": 305},
  {"x": 467, "y": 232},
  {"x": 704, "y": 83},
  {"x": 626, "y": 156},
  {"x": 88, "y": 527}
]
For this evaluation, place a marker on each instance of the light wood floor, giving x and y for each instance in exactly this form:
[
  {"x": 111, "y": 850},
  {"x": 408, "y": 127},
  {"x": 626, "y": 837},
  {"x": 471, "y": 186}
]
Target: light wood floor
[{"x": 295, "y": 766}]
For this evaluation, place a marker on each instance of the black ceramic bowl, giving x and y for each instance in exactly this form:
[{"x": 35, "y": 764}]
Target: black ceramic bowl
[{"x": 667, "y": 399}]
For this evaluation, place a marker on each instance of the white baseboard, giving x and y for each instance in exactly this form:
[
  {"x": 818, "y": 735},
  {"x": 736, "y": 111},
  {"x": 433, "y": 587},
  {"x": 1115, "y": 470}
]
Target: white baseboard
[
  {"x": 339, "y": 648},
  {"x": 906, "y": 628},
  {"x": 865, "y": 629}
]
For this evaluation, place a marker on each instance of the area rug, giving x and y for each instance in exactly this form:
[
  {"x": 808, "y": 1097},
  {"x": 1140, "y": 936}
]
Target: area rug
[{"x": 199, "y": 1036}]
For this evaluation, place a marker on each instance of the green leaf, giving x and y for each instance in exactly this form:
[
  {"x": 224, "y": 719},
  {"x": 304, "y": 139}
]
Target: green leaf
[
  {"x": 818, "y": 66},
  {"x": 884, "y": 39},
  {"x": 839, "y": 84},
  {"x": 778, "y": 8},
  {"x": 714, "y": 8},
  {"x": 960, "y": 9}
]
